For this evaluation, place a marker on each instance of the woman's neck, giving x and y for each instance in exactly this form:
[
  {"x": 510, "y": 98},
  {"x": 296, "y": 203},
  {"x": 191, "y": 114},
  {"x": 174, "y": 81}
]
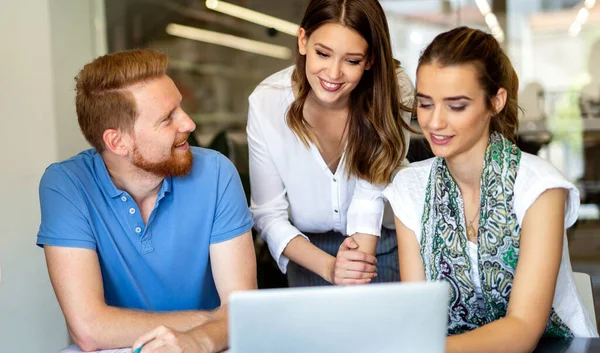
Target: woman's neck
[
  {"x": 319, "y": 115},
  {"x": 466, "y": 168},
  {"x": 338, "y": 107}
]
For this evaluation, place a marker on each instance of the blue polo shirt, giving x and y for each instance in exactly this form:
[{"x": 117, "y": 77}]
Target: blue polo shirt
[{"x": 165, "y": 264}]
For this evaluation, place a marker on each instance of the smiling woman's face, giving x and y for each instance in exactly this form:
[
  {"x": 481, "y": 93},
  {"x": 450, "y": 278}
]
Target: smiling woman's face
[
  {"x": 452, "y": 110},
  {"x": 335, "y": 62}
]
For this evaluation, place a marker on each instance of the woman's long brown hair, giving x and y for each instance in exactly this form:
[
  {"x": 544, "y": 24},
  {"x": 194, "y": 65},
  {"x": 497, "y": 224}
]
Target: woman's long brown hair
[{"x": 375, "y": 144}]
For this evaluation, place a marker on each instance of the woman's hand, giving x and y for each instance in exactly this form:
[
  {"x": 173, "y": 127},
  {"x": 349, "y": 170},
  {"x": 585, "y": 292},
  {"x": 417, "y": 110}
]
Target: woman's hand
[
  {"x": 165, "y": 340},
  {"x": 352, "y": 266}
]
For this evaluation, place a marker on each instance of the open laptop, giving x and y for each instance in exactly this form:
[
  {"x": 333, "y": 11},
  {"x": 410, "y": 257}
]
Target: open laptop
[{"x": 374, "y": 318}]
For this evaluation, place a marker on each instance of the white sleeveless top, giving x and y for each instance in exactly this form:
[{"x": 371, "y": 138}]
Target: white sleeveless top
[{"x": 406, "y": 195}]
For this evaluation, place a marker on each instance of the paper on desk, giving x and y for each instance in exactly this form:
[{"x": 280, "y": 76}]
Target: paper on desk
[{"x": 74, "y": 349}]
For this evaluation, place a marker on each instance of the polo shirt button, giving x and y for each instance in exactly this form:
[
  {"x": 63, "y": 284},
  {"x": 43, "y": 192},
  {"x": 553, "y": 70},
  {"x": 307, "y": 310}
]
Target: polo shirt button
[
  {"x": 132, "y": 210},
  {"x": 138, "y": 229},
  {"x": 334, "y": 180},
  {"x": 336, "y": 211},
  {"x": 123, "y": 198}
]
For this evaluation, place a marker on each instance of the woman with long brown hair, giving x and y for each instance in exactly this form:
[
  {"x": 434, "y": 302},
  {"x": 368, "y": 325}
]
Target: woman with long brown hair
[
  {"x": 482, "y": 215},
  {"x": 321, "y": 131}
]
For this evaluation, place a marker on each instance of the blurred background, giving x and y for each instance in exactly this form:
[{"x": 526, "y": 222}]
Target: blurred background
[{"x": 219, "y": 51}]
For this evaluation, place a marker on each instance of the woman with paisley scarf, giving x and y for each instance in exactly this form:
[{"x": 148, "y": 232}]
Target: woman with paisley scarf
[{"x": 482, "y": 215}]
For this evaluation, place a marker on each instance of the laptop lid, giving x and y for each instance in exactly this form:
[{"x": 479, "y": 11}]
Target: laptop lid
[{"x": 390, "y": 317}]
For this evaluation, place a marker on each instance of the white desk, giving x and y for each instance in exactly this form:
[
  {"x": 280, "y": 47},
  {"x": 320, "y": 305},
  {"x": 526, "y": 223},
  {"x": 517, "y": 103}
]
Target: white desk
[{"x": 74, "y": 349}]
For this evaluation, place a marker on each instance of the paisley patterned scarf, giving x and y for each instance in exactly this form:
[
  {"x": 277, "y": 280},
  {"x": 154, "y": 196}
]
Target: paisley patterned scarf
[{"x": 444, "y": 247}]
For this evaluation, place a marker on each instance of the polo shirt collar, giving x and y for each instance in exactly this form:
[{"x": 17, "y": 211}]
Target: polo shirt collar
[
  {"x": 104, "y": 178},
  {"x": 166, "y": 187}
]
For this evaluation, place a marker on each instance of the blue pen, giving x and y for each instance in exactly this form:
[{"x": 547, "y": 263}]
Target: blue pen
[{"x": 138, "y": 349}]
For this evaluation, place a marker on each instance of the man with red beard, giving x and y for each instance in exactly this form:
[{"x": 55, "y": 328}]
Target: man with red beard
[{"x": 143, "y": 230}]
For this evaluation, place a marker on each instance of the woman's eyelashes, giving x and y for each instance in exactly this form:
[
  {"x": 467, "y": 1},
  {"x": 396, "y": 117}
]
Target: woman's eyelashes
[
  {"x": 458, "y": 108},
  {"x": 454, "y": 108},
  {"x": 425, "y": 105},
  {"x": 349, "y": 61}
]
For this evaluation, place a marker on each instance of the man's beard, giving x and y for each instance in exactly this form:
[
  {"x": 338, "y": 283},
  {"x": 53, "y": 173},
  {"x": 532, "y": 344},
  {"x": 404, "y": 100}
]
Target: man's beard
[{"x": 176, "y": 166}]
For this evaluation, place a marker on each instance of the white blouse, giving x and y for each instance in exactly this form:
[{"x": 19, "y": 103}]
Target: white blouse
[
  {"x": 474, "y": 259},
  {"x": 292, "y": 189},
  {"x": 407, "y": 192}
]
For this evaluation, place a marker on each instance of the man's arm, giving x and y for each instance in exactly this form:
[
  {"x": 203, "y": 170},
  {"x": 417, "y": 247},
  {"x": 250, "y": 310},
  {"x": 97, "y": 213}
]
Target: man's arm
[
  {"x": 234, "y": 268},
  {"x": 75, "y": 274},
  {"x": 77, "y": 281},
  {"x": 233, "y": 265}
]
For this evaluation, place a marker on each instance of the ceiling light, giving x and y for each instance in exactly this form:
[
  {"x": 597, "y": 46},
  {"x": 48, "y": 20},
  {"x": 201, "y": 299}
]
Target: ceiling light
[
  {"x": 416, "y": 38},
  {"x": 499, "y": 37},
  {"x": 582, "y": 15},
  {"x": 253, "y": 16},
  {"x": 574, "y": 29},
  {"x": 491, "y": 20},
  {"x": 589, "y": 3},
  {"x": 483, "y": 6},
  {"x": 227, "y": 40},
  {"x": 581, "y": 18}
]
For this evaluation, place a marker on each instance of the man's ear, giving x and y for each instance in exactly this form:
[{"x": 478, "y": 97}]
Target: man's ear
[
  {"x": 114, "y": 141},
  {"x": 302, "y": 41},
  {"x": 499, "y": 101}
]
